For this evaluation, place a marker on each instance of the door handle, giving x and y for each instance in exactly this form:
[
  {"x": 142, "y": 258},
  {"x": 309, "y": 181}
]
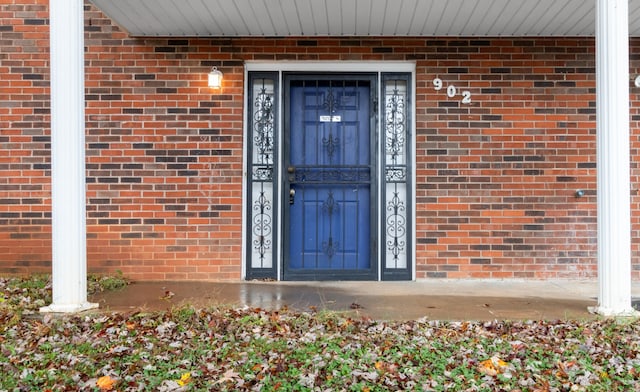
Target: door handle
[{"x": 292, "y": 195}]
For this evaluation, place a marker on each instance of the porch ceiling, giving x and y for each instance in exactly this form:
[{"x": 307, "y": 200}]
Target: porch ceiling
[{"x": 359, "y": 17}]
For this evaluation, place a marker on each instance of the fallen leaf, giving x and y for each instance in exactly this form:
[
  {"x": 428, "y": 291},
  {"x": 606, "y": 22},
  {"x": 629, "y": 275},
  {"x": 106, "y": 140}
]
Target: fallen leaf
[
  {"x": 106, "y": 383},
  {"x": 168, "y": 295},
  {"x": 367, "y": 376},
  {"x": 184, "y": 379},
  {"x": 487, "y": 367},
  {"x": 493, "y": 366},
  {"x": 229, "y": 375}
]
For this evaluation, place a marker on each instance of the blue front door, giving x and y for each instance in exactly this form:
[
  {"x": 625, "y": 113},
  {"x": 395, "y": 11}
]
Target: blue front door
[{"x": 329, "y": 178}]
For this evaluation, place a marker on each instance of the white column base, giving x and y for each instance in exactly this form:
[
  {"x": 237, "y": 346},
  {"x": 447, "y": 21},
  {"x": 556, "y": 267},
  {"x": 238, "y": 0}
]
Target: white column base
[
  {"x": 609, "y": 312},
  {"x": 69, "y": 308}
]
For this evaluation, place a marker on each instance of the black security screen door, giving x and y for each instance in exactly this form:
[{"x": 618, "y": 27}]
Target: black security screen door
[{"x": 329, "y": 178}]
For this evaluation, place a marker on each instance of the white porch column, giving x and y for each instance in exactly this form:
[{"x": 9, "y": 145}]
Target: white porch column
[
  {"x": 612, "y": 112},
  {"x": 68, "y": 193}
]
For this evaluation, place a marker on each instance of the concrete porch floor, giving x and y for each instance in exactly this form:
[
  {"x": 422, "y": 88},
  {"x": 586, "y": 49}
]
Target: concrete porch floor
[{"x": 435, "y": 299}]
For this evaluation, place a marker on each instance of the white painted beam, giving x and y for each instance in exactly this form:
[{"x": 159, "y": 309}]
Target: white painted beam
[
  {"x": 68, "y": 193},
  {"x": 613, "y": 173}
]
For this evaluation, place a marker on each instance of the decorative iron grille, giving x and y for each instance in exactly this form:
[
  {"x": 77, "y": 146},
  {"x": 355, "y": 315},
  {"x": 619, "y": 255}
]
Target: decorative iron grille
[
  {"x": 262, "y": 208},
  {"x": 396, "y": 182}
]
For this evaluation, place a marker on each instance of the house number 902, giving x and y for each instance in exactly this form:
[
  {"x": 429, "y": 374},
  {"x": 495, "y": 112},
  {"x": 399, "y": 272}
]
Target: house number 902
[{"x": 452, "y": 91}]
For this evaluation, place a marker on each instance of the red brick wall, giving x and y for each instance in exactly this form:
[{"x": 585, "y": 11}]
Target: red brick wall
[{"x": 495, "y": 179}]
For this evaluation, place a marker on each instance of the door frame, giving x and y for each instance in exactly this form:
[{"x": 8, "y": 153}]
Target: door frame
[{"x": 320, "y": 67}]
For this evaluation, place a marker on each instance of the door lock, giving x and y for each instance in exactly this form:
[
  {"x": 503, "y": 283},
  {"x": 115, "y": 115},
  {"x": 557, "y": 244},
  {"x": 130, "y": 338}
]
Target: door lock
[
  {"x": 291, "y": 171},
  {"x": 292, "y": 195}
]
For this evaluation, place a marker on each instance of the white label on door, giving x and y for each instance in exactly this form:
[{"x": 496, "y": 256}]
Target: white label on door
[{"x": 330, "y": 118}]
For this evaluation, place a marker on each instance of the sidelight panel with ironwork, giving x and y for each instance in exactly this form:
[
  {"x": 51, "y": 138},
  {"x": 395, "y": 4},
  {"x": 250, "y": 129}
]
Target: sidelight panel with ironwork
[
  {"x": 396, "y": 149},
  {"x": 262, "y": 207}
]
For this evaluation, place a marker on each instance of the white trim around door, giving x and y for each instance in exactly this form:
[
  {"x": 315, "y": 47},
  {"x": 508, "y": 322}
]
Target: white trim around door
[{"x": 276, "y": 70}]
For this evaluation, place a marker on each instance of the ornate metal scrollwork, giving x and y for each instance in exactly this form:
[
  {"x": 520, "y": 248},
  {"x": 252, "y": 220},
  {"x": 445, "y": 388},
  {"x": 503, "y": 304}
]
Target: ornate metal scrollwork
[
  {"x": 395, "y": 174},
  {"x": 336, "y": 175},
  {"x": 331, "y": 143},
  {"x": 331, "y": 105},
  {"x": 330, "y": 247},
  {"x": 262, "y": 222},
  {"x": 262, "y": 173},
  {"x": 263, "y": 126},
  {"x": 395, "y": 126},
  {"x": 329, "y": 206},
  {"x": 330, "y": 102},
  {"x": 396, "y": 226}
]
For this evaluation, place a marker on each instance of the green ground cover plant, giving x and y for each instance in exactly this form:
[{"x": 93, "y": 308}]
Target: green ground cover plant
[{"x": 227, "y": 349}]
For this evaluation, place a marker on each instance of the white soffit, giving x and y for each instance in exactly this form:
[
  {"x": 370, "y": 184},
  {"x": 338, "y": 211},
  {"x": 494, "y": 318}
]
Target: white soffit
[{"x": 232, "y": 18}]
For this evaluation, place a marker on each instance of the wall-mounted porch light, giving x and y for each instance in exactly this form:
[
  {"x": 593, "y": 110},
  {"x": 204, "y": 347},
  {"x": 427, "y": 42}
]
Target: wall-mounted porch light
[{"x": 215, "y": 78}]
